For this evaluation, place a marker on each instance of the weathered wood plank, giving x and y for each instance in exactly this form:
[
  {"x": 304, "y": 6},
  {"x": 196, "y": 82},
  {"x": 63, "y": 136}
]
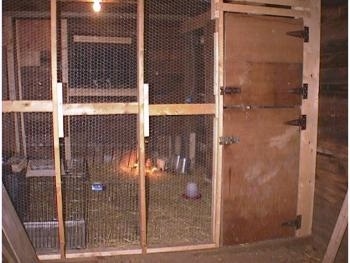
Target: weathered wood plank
[
  {"x": 338, "y": 233},
  {"x": 262, "y": 10},
  {"x": 16, "y": 236},
  {"x": 100, "y": 39},
  {"x": 308, "y": 146},
  {"x": 57, "y": 159}
]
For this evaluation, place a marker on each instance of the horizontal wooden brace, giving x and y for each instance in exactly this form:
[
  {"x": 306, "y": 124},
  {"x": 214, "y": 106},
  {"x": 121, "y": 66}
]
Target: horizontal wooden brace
[
  {"x": 262, "y": 10},
  {"x": 108, "y": 108},
  {"x": 102, "y": 39},
  {"x": 27, "y": 106},
  {"x": 91, "y": 92},
  {"x": 292, "y": 3},
  {"x": 181, "y": 109}
]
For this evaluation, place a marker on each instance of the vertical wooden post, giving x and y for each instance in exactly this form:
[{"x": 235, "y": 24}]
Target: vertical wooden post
[
  {"x": 64, "y": 49},
  {"x": 308, "y": 140},
  {"x": 217, "y": 14},
  {"x": 8, "y": 23},
  {"x": 20, "y": 95},
  {"x": 140, "y": 123},
  {"x": 55, "y": 126}
]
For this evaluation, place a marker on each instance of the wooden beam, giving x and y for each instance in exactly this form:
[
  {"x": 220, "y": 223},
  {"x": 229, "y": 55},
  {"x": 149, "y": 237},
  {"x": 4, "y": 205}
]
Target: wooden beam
[
  {"x": 218, "y": 120},
  {"x": 43, "y": 14},
  {"x": 308, "y": 139},
  {"x": 20, "y": 88},
  {"x": 181, "y": 109},
  {"x": 140, "y": 124},
  {"x": 57, "y": 158},
  {"x": 16, "y": 237},
  {"x": 262, "y": 10},
  {"x": 27, "y": 106},
  {"x": 71, "y": 109},
  {"x": 100, "y": 39},
  {"x": 11, "y": 77},
  {"x": 87, "y": 92},
  {"x": 196, "y": 22},
  {"x": 100, "y": 108},
  {"x": 180, "y": 248},
  {"x": 65, "y": 81},
  {"x": 93, "y": 253},
  {"x": 292, "y": 3},
  {"x": 338, "y": 233}
]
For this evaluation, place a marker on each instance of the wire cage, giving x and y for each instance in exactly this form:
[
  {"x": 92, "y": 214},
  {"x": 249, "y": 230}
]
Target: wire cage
[{"x": 97, "y": 59}]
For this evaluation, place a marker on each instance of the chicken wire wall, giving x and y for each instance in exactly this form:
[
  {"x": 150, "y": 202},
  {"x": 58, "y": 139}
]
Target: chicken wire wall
[{"x": 97, "y": 60}]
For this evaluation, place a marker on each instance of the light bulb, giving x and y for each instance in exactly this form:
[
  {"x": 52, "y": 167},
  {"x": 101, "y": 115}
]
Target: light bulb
[{"x": 96, "y": 6}]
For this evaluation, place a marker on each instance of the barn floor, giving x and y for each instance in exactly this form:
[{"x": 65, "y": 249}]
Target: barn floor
[{"x": 311, "y": 250}]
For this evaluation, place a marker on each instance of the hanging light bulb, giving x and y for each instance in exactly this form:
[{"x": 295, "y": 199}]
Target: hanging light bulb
[{"x": 96, "y": 6}]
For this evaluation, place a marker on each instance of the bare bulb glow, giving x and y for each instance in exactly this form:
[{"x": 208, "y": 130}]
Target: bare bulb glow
[{"x": 96, "y": 6}]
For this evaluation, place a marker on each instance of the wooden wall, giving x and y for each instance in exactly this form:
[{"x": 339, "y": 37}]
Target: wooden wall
[{"x": 332, "y": 157}]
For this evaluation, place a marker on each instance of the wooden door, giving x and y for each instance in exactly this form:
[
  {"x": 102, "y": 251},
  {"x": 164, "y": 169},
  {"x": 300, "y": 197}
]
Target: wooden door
[{"x": 263, "y": 71}]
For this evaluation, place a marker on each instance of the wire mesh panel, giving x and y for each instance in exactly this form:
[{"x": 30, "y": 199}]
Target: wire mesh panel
[
  {"x": 179, "y": 51},
  {"x": 107, "y": 146},
  {"x": 179, "y": 189},
  {"x": 178, "y": 68},
  {"x": 101, "y": 52}
]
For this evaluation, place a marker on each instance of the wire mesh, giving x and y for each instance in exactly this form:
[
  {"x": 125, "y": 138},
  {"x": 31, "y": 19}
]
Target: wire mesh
[
  {"x": 178, "y": 68},
  {"x": 181, "y": 146},
  {"x": 97, "y": 63}
]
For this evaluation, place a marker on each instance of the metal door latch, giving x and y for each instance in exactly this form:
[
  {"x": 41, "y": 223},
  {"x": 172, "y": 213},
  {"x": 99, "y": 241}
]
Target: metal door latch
[
  {"x": 226, "y": 140},
  {"x": 303, "y": 91},
  {"x": 296, "y": 223},
  {"x": 301, "y": 122},
  {"x": 230, "y": 90}
]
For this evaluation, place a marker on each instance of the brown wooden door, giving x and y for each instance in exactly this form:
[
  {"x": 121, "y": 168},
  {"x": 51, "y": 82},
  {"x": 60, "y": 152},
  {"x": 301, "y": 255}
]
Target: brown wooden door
[{"x": 262, "y": 66}]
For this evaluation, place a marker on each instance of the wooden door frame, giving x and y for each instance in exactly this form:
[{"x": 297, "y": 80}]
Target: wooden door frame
[{"x": 310, "y": 11}]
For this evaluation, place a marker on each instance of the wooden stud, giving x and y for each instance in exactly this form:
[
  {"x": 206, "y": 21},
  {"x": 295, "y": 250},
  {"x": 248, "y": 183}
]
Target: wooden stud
[
  {"x": 108, "y": 108},
  {"x": 88, "y": 254},
  {"x": 43, "y": 14},
  {"x": 20, "y": 96},
  {"x": 90, "y": 92},
  {"x": 27, "y": 106},
  {"x": 180, "y": 248},
  {"x": 140, "y": 124},
  {"x": 262, "y": 10},
  {"x": 55, "y": 127},
  {"x": 181, "y": 109},
  {"x": 293, "y": 3},
  {"x": 338, "y": 233},
  {"x": 308, "y": 140},
  {"x": 104, "y": 40},
  {"x": 65, "y": 80},
  {"x": 219, "y": 112},
  {"x": 8, "y": 23},
  {"x": 14, "y": 232}
]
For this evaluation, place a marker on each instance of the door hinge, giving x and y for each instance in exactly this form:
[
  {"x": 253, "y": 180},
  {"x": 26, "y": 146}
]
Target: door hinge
[
  {"x": 226, "y": 140},
  {"x": 301, "y": 122},
  {"x": 296, "y": 223},
  {"x": 230, "y": 90},
  {"x": 300, "y": 34},
  {"x": 303, "y": 91}
]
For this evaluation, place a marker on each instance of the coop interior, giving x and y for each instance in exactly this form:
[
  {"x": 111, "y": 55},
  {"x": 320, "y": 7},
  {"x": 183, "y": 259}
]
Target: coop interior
[{"x": 99, "y": 157}]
